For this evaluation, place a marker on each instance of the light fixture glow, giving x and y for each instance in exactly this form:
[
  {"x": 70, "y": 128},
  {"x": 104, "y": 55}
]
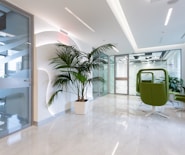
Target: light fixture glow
[
  {"x": 79, "y": 19},
  {"x": 121, "y": 18},
  {"x": 168, "y": 16},
  {"x": 115, "y": 49},
  {"x": 115, "y": 148}
]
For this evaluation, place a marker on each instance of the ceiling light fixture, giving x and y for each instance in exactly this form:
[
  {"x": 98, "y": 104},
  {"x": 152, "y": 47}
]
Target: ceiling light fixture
[
  {"x": 80, "y": 20},
  {"x": 121, "y": 18},
  {"x": 115, "y": 148},
  {"x": 115, "y": 49},
  {"x": 168, "y": 16}
]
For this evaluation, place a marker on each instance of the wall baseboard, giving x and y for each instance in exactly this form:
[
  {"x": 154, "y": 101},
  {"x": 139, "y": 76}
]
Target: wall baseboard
[{"x": 35, "y": 123}]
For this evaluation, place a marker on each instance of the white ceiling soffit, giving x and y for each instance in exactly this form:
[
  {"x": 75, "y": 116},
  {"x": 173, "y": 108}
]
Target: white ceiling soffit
[{"x": 144, "y": 19}]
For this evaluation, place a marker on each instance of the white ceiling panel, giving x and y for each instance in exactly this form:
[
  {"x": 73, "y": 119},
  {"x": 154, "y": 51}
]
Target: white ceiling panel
[{"x": 145, "y": 18}]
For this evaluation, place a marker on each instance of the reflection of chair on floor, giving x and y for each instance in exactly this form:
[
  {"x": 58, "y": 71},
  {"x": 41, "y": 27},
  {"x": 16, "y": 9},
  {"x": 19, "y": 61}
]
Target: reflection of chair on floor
[
  {"x": 151, "y": 93},
  {"x": 180, "y": 98}
]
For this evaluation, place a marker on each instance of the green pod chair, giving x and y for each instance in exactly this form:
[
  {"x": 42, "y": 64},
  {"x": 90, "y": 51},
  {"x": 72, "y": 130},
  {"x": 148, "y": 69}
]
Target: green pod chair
[{"x": 151, "y": 92}]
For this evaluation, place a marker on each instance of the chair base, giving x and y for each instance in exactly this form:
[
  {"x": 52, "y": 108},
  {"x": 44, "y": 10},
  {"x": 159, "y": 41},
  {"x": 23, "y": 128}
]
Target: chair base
[{"x": 156, "y": 112}]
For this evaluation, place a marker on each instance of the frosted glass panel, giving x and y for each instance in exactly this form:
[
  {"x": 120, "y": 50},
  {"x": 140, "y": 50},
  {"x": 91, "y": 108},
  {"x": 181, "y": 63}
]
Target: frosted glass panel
[
  {"x": 121, "y": 67},
  {"x": 100, "y": 88},
  {"x": 15, "y": 71},
  {"x": 121, "y": 87},
  {"x": 121, "y": 77}
]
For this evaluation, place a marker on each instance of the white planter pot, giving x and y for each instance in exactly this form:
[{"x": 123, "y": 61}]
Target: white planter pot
[
  {"x": 171, "y": 97},
  {"x": 81, "y": 107}
]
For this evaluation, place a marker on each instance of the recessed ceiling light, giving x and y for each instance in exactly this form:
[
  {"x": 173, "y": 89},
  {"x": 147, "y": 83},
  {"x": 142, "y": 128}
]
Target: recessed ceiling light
[
  {"x": 121, "y": 18},
  {"x": 79, "y": 19},
  {"x": 168, "y": 16},
  {"x": 115, "y": 49}
]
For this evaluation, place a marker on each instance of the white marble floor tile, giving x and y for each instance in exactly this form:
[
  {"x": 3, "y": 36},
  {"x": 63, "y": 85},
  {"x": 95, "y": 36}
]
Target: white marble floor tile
[{"x": 116, "y": 126}]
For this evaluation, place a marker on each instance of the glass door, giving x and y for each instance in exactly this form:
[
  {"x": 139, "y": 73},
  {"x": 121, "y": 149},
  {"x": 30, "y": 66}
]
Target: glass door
[
  {"x": 121, "y": 74},
  {"x": 15, "y": 75}
]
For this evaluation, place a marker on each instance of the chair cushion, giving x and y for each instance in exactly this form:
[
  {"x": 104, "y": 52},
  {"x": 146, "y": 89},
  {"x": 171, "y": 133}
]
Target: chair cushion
[{"x": 153, "y": 93}]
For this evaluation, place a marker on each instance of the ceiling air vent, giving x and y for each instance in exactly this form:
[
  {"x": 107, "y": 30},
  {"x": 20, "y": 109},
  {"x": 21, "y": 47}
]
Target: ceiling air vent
[
  {"x": 152, "y": 1},
  {"x": 171, "y": 1},
  {"x": 168, "y": 1}
]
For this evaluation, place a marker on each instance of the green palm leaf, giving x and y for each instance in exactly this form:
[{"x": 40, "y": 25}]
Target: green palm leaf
[{"x": 74, "y": 68}]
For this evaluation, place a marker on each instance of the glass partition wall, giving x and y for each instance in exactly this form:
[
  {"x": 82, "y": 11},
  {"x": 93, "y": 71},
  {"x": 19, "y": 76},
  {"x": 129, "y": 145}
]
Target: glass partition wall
[
  {"x": 123, "y": 68},
  {"x": 169, "y": 60},
  {"x": 99, "y": 88},
  {"x": 15, "y": 69}
]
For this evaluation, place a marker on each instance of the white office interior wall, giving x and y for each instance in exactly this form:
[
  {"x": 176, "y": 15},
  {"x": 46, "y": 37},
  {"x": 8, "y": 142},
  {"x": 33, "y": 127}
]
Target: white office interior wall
[
  {"x": 46, "y": 36},
  {"x": 45, "y": 77}
]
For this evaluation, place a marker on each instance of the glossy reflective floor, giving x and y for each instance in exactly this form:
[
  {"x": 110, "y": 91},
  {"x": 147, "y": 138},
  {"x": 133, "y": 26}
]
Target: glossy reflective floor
[
  {"x": 117, "y": 125},
  {"x": 10, "y": 123}
]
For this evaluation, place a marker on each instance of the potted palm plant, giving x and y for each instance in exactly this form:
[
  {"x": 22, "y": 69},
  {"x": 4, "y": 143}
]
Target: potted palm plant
[
  {"x": 74, "y": 72},
  {"x": 175, "y": 87},
  {"x": 175, "y": 84}
]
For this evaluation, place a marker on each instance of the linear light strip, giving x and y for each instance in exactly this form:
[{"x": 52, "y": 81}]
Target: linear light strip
[
  {"x": 121, "y": 18},
  {"x": 168, "y": 16},
  {"x": 115, "y": 148},
  {"x": 115, "y": 49},
  {"x": 79, "y": 19}
]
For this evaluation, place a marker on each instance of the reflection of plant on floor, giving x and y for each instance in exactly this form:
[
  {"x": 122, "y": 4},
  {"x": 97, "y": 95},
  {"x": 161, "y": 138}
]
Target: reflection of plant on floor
[{"x": 175, "y": 84}]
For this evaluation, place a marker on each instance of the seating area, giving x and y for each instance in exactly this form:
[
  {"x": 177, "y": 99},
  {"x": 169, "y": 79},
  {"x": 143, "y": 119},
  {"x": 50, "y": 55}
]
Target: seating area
[{"x": 151, "y": 92}]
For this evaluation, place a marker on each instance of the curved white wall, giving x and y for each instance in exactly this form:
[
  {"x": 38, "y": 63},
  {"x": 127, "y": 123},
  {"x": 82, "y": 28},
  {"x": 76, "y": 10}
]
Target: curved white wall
[{"x": 45, "y": 49}]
